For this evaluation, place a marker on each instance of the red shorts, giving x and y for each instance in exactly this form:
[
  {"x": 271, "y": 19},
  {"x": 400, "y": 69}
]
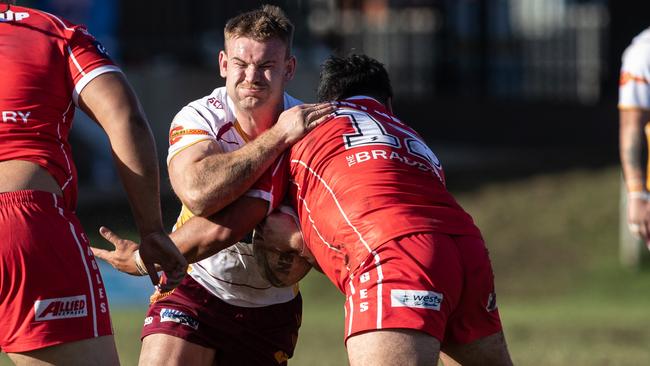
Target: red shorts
[
  {"x": 241, "y": 336},
  {"x": 51, "y": 291},
  {"x": 439, "y": 284}
]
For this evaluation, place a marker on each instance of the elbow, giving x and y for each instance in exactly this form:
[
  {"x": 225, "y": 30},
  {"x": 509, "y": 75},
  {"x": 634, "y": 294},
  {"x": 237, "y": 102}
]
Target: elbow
[
  {"x": 221, "y": 236},
  {"x": 194, "y": 200}
]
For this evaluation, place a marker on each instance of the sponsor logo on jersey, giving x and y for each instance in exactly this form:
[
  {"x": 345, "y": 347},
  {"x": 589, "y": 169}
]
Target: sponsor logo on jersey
[
  {"x": 148, "y": 320},
  {"x": 10, "y": 15},
  {"x": 215, "y": 102},
  {"x": 100, "y": 47},
  {"x": 416, "y": 299},
  {"x": 177, "y": 316},
  {"x": 176, "y": 133},
  {"x": 15, "y": 117},
  {"x": 61, "y": 308}
]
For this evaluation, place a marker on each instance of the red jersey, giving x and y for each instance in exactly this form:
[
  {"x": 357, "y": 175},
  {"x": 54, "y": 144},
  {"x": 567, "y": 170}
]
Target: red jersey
[
  {"x": 45, "y": 62},
  {"x": 365, "y": 178}
]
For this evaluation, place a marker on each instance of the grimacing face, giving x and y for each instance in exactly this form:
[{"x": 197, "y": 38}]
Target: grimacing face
[{"x": 256, "y": 72}]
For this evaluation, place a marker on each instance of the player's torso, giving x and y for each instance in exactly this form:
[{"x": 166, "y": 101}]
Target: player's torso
[
  {"x": 365, "y": 178},
  {"x": 232, "y": 273},
  {"x": 41, "y": 75},
  {"x": 634, "y": 83}
]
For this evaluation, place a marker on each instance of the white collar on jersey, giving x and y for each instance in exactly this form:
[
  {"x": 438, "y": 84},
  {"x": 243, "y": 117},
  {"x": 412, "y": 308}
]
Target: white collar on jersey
[{"x": 357, "y": 97}]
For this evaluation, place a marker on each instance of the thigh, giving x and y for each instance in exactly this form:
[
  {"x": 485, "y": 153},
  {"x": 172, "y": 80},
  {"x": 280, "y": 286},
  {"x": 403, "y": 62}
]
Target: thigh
[
  {"x": 238, "y": 335},
  {"x": 99, "y": 351},
  {"x": 413, "y": 282},
  {"x": 51, "y": 290},
  {"x": 393, "y": 347},
  {"x": 163, "y": 349},
  {"x": 476, "y": 315},
  {"x": 490, "y": 350}
]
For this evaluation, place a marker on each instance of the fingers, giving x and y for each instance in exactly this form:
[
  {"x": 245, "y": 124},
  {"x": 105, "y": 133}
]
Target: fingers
[
  {"x": 153, "y": 275},
  {"x": 110, "y": 236},
  {"x": 100, "y": 253},
  {"x": 318, "y": 114},
  {"x": 172, "y": 279}
]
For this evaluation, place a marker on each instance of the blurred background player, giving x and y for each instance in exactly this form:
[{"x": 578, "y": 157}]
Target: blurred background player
[
  {"x": 52, "y": 300},
  {"x": 378, "y": 221},
  {"x": 223, "y": 312},
  {"x": 634, "y": 115}
]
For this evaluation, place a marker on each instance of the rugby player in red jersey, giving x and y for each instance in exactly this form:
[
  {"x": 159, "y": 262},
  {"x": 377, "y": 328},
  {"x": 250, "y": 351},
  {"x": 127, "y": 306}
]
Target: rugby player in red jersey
[
  {"x": 53, "y": 303},
  {"x": 376, "y": 218}
]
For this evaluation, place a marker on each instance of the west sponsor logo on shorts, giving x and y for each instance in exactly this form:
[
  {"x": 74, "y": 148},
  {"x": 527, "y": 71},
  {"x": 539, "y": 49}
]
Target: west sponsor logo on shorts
[
  {"x": 61, "y": 308},
  {"x": 177, "y": 316},
  {"x": 176, "y": 133},
  {"x": 416, "y": 299}
]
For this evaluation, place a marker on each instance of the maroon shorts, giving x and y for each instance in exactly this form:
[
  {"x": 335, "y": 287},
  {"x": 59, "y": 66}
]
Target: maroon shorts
[
  {"x": 51, "y": 291},
  {"x": 241, "y": 336},
  {"x": 439, "y": 284}
]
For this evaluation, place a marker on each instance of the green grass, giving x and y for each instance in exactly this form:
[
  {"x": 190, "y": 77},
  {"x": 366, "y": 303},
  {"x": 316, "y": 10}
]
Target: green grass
[{"x": 563, "y": 297}]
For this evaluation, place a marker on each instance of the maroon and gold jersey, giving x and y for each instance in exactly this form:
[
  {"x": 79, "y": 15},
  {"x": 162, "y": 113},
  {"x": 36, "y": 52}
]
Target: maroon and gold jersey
[
  {"x": 45, "y": 62},
  {"x": 365, "y": 178}
]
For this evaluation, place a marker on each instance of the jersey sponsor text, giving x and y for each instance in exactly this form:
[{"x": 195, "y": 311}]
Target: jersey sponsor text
[
  {"x": 61, "y": 308},
  {"x": 10, "y": 15},
  {"x": 15, "y": 117},
  {"x": 177, "y": 316},
  {"x": 416, "y": 299}
]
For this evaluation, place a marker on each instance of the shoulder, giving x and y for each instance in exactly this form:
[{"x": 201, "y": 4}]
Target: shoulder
[
  {"x": 638, "y": 52},
  {"x": 55, "y": 24},
  {"x": 212, "y": 108}
]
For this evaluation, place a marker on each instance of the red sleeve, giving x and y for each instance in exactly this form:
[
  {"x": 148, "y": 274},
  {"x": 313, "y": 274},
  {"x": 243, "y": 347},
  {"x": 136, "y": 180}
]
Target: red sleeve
[
  {"x": 87, "y": 59},
  {"x": 272, "y": 185}
]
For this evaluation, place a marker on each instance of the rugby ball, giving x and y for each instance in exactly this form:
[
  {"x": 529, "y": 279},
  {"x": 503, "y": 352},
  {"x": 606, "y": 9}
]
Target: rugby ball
[{"x": 281, "y": 269}]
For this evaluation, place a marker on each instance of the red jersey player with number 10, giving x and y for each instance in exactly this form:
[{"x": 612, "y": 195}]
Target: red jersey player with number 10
[{"x": 374, "y": 212}]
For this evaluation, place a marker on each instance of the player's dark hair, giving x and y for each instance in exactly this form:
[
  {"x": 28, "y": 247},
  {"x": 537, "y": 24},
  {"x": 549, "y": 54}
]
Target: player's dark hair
[
  {"x": 344, "y": 77},
  {"x": 262, "y": 24},
  {"x": 8, "y": 3}
]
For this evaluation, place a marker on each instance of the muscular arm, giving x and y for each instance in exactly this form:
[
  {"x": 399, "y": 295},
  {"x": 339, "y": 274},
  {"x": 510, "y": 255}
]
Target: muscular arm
[
  {"x": 206, "y": 179},
  {"x": 197, "y": 239},
  {"x": 111, "y": 102},
  {"x": 278, "y": 243},
  {"x": 200, "y": 237},
  {"x": 633, "y": 146}
]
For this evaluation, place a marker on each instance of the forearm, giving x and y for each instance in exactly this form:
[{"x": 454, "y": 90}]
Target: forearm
[
  {"x": 200, "y": 237},
  {"x": 110, "y": 101},
  {"x": 217, "y": 180},
  {"x": 135, "y": 157},
  {"x": 633, "y": 148}
]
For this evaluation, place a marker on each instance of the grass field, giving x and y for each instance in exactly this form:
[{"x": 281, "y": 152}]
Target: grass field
[{"x": 563, "y": 297}]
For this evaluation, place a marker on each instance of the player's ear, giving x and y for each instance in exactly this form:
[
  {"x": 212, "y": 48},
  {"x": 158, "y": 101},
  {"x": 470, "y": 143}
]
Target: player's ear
[
  {"x": 223, "y": 63},
  {"x": 290, "y": 68}
]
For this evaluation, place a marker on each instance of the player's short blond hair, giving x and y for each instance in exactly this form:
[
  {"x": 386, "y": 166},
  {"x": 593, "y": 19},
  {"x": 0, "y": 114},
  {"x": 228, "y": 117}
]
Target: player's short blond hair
[{"x": 262, "y": 24}]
